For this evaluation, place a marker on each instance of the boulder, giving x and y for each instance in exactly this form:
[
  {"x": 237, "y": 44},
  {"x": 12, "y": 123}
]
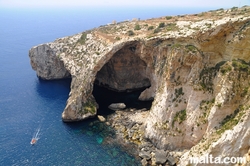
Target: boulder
[
  {"x": 145, "y": 154},
  {"x": 171, "y": 160},
  {"x": 101, "y": 118},
  {"x": 160, "y": 156},
  {"x": 117, "y": 106},
  {"x": 144, "y": 162}
]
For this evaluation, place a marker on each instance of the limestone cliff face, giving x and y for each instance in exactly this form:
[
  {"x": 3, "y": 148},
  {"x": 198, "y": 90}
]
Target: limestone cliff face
[
  {"x": 125, "y": 70},
  {"x": 46, "y": 63},
  {"x": 197, "y": 67}
]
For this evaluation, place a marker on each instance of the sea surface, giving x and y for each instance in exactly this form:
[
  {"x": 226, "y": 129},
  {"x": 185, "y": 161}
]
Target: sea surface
[{"x": 28, "y": 104}]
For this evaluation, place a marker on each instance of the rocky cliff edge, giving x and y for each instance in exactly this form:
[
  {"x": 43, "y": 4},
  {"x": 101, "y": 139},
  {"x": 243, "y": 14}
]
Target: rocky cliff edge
[{"x": 195, "y": 67}]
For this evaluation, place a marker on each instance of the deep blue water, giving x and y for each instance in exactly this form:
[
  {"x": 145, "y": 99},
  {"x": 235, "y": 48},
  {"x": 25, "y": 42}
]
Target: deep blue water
[{"x": 27, "y": 103}]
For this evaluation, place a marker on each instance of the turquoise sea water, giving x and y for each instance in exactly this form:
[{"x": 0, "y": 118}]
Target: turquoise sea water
[{"x": 27, "y": 103}]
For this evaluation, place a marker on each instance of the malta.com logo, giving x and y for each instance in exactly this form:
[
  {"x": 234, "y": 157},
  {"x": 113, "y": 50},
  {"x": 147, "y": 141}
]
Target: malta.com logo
[{"x": 209, "y": 159}]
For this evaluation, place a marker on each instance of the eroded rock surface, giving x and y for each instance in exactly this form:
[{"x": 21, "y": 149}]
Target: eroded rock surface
[
  {"x": 44, "y": 60},
  {"x": 197, "y": 67},
  {"x": 124, "y": 71}
]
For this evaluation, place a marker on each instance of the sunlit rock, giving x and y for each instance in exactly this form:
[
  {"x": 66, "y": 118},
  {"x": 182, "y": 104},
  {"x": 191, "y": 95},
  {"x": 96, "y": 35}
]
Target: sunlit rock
[
  {"x": 194, "y": 67},
  {"x": 117, "y": 106}
]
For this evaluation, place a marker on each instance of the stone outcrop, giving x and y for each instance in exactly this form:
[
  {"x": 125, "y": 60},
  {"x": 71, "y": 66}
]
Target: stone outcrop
[
  {"x": 46, "y": 63},
  {"x": 195, "y": 67},
  {"x": 160, "y": 157}
]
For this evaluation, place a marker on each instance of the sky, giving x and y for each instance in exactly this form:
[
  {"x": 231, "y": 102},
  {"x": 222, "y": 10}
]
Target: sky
[{"x": 122, "y": 3}]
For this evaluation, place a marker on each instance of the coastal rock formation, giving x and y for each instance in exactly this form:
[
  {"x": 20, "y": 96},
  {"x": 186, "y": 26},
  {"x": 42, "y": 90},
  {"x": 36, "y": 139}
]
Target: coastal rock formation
[
  {"x": 195, "y": 67},
  {"x": 46, "y": 63}
]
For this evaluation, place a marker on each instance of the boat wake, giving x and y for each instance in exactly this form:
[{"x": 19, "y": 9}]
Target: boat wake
[{"x": 35, "y": 137}]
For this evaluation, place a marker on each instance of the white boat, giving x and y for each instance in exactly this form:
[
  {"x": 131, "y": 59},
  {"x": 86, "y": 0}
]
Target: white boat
[
  {"x": 33, "y": 141},
  {"x": 35, "y": 137}
]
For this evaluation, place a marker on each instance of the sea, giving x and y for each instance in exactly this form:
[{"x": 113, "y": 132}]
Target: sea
[{"x": 28, "y": 104}]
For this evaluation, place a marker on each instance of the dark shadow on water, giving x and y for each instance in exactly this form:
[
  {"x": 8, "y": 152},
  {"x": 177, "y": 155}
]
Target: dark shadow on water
[
  {"x": 104, "y": 97},
  {"x": 53, "y": 89}
]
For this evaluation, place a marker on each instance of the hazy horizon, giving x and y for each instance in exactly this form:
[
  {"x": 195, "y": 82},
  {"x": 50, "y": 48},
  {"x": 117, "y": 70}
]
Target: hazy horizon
[{"x": 66, "y": 4}]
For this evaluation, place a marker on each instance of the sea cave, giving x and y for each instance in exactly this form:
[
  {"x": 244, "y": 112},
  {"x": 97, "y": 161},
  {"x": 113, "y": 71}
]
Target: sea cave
[{"x": 121, "y": 80}]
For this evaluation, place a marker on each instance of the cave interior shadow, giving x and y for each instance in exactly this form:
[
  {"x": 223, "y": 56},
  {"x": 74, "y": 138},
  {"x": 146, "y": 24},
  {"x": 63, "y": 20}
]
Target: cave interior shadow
[{"x": 104, "y": 97}]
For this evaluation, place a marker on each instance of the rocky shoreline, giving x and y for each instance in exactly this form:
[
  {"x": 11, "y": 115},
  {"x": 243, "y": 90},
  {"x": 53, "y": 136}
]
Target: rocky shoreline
[
  {"x": 197, "y": 68},
  {"x": 129, "y": 125}
]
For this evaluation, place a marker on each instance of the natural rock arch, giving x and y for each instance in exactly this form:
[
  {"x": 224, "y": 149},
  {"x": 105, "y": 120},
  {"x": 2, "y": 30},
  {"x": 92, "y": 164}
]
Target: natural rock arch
[
  {"x": 178, "y": 59},
  {"x": 131, "y": 61}
]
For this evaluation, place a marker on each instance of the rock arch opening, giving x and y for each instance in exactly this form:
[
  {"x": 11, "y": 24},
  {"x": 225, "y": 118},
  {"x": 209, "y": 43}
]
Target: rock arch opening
[{"x": 122, "y": 79}]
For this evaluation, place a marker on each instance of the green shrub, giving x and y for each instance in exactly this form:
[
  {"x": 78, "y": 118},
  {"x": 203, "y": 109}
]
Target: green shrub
[
  {"x": 219, "y": 105},
  {"x": 169, "y": 17},
  {"x": 83, "y": 38},
  {"x": 230, "y": 120},
  {"x": 89, "y": 108},
  {"x": 206, "y": 78},
  {"x": 234, "y": 8},
  {"x": 180, "y": 117},
  {"x": 209, "y": 25},
  {"x": 157, "y": 30},
  {"x": 225, "y": 68},
  {"x": 171, "y": 27},
  {"x": 219, "y": 9},
  {"x": 150, "y": 28},
  {"x": 179, "y": 92},
  {"x": 161, "y": 25},
  {"x": 245, "y": 91},
  {"x": 130, "y": 33},
  {"x": 191, "y": 48},
  {"x": 176, "y": 45},
  {"x": 137, "y": 27},
  {"x": 117, "y": 38},
  {"x": 243, "y": 67},
  {"x": 234, "y": 63},
  {"x": 240, "y": 65}
]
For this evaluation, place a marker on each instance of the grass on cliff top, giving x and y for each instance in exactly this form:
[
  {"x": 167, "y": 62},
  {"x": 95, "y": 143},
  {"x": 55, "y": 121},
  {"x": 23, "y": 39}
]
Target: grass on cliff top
[
  {"x": 162, "y": 25},
  {"x": 83, "y": 38}
]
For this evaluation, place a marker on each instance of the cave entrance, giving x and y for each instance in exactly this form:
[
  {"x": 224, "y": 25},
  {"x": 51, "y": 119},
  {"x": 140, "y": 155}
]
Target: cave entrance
[
  {"x": 104, "y": 97},
  {"x": 121, "y": 80}
]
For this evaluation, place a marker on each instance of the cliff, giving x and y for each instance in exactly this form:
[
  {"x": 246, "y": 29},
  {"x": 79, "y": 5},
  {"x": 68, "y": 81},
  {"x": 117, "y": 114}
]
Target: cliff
[{"x": 195, "y": 67}]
